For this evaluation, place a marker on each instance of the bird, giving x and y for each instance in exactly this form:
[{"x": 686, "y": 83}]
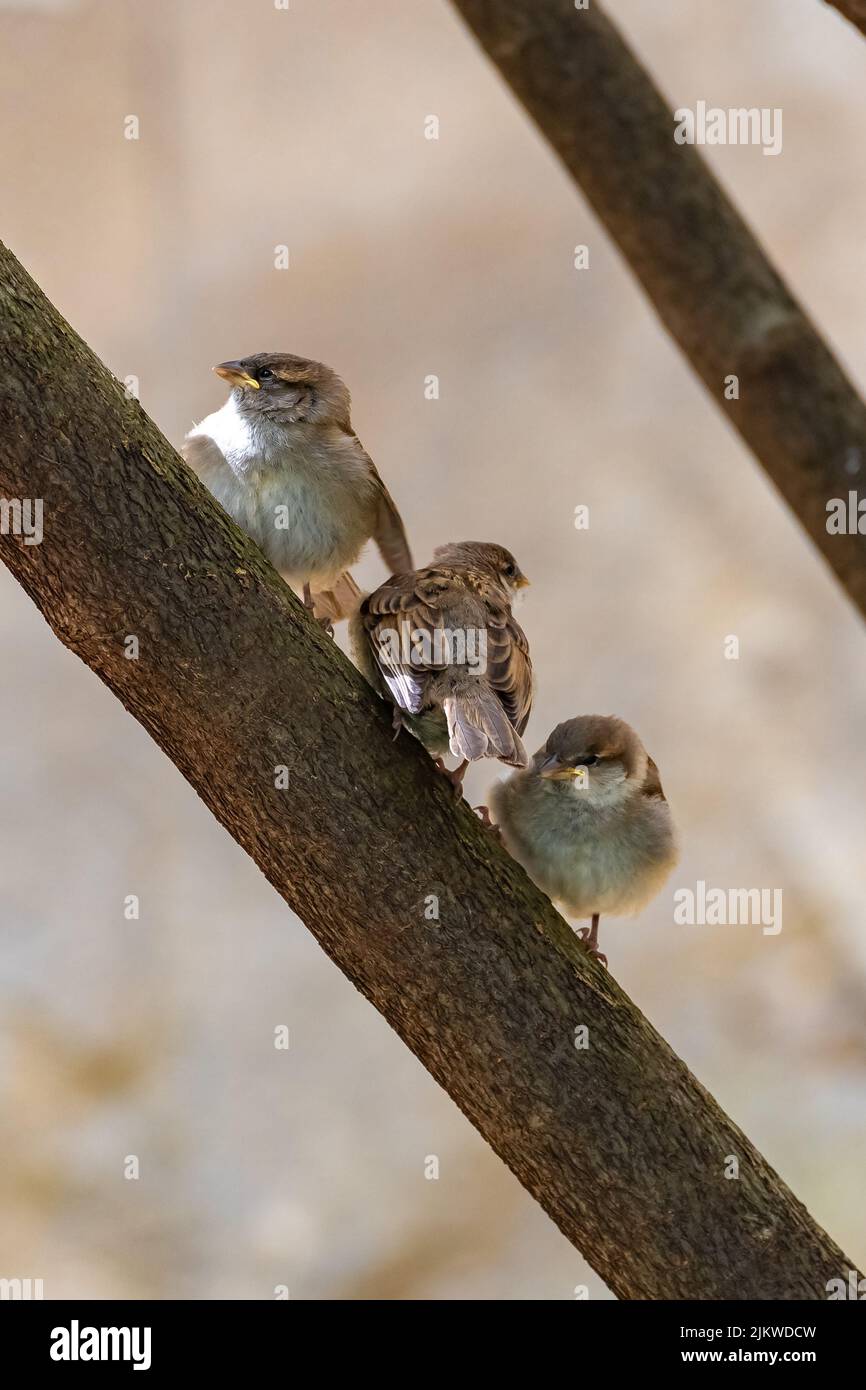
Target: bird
[
  {"x": 588, "y": 820},
  {"x": 283, "y": 460},
  {"x": 443, "y": 646}
]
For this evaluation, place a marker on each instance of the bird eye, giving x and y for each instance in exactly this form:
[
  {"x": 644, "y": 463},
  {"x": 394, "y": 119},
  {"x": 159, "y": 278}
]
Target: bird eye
[
  {"x": 510, "y": 570},
  {"x": 264, "y": 373},
  {"x": 589, "y": 761}
]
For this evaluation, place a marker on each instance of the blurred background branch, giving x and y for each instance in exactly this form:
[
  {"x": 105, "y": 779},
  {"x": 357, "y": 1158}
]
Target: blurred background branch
[
  {"x": 707, "y": 276},
  {"x": 618, "y": 1142},
  {"x": 854, "y": 10}
]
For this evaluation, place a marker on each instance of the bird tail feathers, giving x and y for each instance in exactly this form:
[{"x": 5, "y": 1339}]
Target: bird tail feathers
[
  {"x": 478, "y": 727},
  {"x": 340, "y": 602}
]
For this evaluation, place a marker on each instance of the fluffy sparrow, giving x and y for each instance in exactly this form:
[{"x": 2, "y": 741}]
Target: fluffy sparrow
[
  {"x": 442, "y": 645},
  {"x": 283, "y": 460},
  {"x": 588, "y": 820}
]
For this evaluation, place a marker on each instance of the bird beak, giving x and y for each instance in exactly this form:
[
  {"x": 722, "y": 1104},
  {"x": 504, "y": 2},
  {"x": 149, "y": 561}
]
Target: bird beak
[
  {"x": 234, "y": 373},
  {"x": 552, "y": 767},
  {"x": 522, "y": 582}
]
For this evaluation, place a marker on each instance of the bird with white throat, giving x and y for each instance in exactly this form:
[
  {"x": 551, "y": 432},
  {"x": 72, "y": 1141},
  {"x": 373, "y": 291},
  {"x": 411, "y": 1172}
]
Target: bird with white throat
[
  {"x": 283, "y": 460},
  {"x": 589, "y": 822}
]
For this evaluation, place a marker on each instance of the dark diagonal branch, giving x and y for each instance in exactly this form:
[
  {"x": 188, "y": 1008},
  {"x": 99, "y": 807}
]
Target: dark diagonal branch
[
  {"x": 438, "y": 928},
  {"x": 706, "y": 275},
  {"x": 854, "y": 10}
]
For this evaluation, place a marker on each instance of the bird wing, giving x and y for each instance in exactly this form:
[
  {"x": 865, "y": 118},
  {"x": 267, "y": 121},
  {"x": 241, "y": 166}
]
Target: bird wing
[
  {"x": 389, "y": 533},
  {"x": 409, "y": 606},
  {"x": 203, "y": 455},
  {"x": 652, "y": 782},
  {"x": 509, "y": 669},
  {"x": 436, "y": 598}
]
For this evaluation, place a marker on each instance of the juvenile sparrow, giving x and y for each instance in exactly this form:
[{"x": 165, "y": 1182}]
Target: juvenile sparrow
[
  {"x": 588, "y": 820},
  {"x": 283, "y": 460},
  {"x": 442, "y": 645}
]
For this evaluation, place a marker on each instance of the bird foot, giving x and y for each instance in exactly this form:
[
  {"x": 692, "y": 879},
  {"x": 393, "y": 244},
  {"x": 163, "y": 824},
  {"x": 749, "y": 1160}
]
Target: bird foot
[
  {"x": 483, "y": 814},
  {"x": 455, "y": 777},
  {"x": 397, "y": 723},
  {"x": 324, "y": 623},
  {"x": 586, "y": 937}
]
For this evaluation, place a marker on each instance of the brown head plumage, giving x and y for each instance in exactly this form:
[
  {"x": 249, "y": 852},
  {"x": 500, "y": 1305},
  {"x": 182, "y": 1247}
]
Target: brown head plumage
[
  {"x": 484, "y": 558},
  {"x": 287, "y": 388},
  {"x": 602, "y": 742}
]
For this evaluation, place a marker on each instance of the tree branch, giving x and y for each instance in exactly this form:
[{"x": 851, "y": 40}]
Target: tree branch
[
  {"x": 705, "y": 273},
  {"x": 618, "y": 1142},
  {"x": 854, "y": 10}
]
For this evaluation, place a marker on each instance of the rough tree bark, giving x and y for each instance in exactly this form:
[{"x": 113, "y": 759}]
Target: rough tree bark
[
  {"x": 619, "y": 1143},
  {"x": 706, "y": 275},
  {"x": 854, "y": 10}
]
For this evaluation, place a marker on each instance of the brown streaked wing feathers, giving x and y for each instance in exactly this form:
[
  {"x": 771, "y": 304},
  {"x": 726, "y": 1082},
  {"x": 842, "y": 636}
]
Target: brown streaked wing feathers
[
  {"x": 390, "y": 536},
  {"x": 420, "y": 600},
  {"x": 413, "y": 599},
  {"x": 509, "y": 669},
  {"x": 652, "y": 783},
  {"x": 339, "y": 602},
  {"x": 389, "y": 532}
]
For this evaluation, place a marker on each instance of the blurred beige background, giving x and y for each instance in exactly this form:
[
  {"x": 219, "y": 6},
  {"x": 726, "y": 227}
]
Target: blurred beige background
[{"x": 411, "y": 257}]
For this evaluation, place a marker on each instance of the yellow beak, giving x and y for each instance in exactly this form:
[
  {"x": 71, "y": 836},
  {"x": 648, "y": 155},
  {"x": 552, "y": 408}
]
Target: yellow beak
[
  {"x": 552, "y": 767},
  {"x": 234, "y": 373}
]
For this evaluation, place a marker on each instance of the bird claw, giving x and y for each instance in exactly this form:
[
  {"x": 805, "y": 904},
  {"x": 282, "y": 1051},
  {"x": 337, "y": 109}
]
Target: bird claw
[
  {"x": 324, "y": 623},
  {"x": 455, "y": 777},
  {"x": 590, "y": 946},
  {"x": 483, "y": 814}
]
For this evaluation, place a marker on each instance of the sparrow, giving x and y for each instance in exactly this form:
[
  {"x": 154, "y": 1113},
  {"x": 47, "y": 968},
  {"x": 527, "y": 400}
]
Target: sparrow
[
  {"x": 283, "y": 460},
  {"x": 589, "y": 822},
  {"x": 442, "y": 645}
]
